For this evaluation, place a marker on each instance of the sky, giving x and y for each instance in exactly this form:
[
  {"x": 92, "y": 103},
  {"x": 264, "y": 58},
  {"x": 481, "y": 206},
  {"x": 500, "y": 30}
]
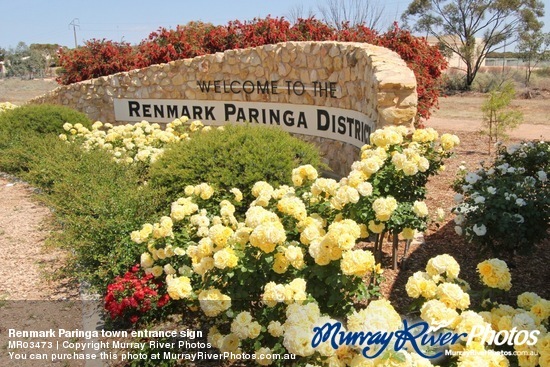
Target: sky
[
  {"x": 48, "y": 21},
  {"x": 43, "y": 21}
]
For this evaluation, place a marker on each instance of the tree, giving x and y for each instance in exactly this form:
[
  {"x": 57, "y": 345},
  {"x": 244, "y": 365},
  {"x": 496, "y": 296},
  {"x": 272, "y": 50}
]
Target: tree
[
  {"x": 457, "y": 23},
  {"x": 498, "y": 116},
  {"x": 533, "y": 47},
  {"x": 25, "y": 62},
  {"x": 338, "y": 13},
  {"x": 298, "y": 12}
]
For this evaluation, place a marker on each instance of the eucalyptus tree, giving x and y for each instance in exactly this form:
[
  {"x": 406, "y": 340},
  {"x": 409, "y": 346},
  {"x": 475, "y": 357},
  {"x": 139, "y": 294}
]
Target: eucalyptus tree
[{"x": 457, "y": 23}]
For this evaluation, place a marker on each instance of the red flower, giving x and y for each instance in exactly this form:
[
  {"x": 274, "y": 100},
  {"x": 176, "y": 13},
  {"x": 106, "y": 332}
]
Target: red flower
[{"x": 133, "y": 295}]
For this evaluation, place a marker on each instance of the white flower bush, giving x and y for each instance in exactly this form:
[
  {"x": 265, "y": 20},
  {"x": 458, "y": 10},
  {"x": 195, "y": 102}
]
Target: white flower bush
[
  {"x": 132, "y": 143},
  {"x": 506, "y": 207}
]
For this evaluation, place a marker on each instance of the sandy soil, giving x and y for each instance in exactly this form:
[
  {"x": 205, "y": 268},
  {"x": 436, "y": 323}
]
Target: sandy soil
[
  {"x": 29, "y": 301},
  {"x": 24, "y": 228},
  {"x": 524, "y": 131}
]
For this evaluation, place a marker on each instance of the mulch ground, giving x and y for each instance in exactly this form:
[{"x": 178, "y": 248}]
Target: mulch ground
[{"x": 529, "y": 273}]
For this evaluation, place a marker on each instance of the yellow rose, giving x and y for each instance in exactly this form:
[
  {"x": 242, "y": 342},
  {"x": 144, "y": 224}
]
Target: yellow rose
[
  {"x": 376, "y": 228},
  {"x": 225, "y": 258},
  {"x": 384, "y": 207},
  {"x": 420, "y": 209},
  {"x": 146, "y": 260},
  {"x": 408, "y": 233},
  {"x": 357, "y": 262},
  {"x": 178, "y": 288},
  {"x": 275, "y": 328}
]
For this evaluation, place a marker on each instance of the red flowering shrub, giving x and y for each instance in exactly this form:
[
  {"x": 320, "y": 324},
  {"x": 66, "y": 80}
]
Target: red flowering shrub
[
  {"x": 133, "y": 296},
  {"x": 96, "y": 58},
  {"x": 166, "y": 45},
  {"x": 99, "y": 58},
  {"x": 311, "y": 29}
]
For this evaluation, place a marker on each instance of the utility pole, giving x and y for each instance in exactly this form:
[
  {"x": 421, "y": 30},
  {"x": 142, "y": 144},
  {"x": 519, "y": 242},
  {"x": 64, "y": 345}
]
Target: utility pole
[{"x": 74, "y": 23}]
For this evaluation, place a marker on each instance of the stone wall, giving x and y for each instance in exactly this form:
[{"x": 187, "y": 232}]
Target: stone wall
[{"x": 368, "y": 79}]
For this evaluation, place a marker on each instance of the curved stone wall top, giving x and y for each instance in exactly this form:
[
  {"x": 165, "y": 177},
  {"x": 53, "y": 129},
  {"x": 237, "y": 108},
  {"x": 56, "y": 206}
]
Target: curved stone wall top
[{"x": 329, "y": 90}]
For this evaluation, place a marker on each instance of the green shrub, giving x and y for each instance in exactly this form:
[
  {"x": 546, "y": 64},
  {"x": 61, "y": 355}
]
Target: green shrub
[
  {"x": 96, "y": 201},
  {"x": 237, "y": 157},
  {"x": 99, "y": 203},
  {"x": 42, "y": 119},
  {"x": 452, "y": 82},
  {"x": 543, "y": 72},
  {"x": 504, "y": 208},
  {"x": 25, "y": 126},
  {"x": 486, "y": 82}
]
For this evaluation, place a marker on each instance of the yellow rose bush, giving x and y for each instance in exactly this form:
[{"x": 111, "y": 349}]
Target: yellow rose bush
[
  {"x": 267, "y": 275},
  {"x": 258, "y": 278},
  {"x": 493, "y": 332},
  {"x": 387, "y": 187},
  {"x": 131, "y": 143},
  {"x": 5, "y": 106}
]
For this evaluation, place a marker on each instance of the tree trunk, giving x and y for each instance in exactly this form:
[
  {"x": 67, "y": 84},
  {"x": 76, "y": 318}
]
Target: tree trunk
[{"x": 394, "y": 249}]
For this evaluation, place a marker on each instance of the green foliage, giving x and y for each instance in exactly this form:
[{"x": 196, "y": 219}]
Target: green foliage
[
  {"x": 489, "y": 81},
  {"x": 506, "y": 207},
  {"x": 533, "y": 47},
  {"x": 29, "y": 62},
  {"x": 237, "y": 157},
  {"x": 24, "y": 129},
  {"x": 98, "y": 203},
  {"x": 43, "y": 119},
  {"x": 497, "y": 113}
]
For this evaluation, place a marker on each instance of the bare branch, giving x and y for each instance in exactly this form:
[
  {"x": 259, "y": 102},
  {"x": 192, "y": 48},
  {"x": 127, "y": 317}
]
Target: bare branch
[{"x": 365, "y": 12}]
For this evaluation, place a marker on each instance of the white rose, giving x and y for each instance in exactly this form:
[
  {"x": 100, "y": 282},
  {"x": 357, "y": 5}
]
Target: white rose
[
  {"x": 459, "y": 219},
  {"x": 512, "y": 148},
  {"x": 520, "y": 202},
  {"x": 479, "y": 199},
  {"x": 480, "y": 230},
  {"x": 472, "y": 178},
  {"x": 458, "y": 198}
]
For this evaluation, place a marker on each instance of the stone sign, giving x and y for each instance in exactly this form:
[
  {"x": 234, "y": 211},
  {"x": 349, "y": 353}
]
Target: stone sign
[
  {"x": 331, "y": 93},
  {"x": 348, "y": 126}
]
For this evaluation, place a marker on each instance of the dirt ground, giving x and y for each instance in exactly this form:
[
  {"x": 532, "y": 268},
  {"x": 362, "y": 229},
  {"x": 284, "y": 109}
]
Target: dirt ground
[
  {"x": 25, "y": 224},
  {"x": 28, "y": 299},
  {"x": 19, "y": 91},
  {"x": 529, "y": 273}
]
